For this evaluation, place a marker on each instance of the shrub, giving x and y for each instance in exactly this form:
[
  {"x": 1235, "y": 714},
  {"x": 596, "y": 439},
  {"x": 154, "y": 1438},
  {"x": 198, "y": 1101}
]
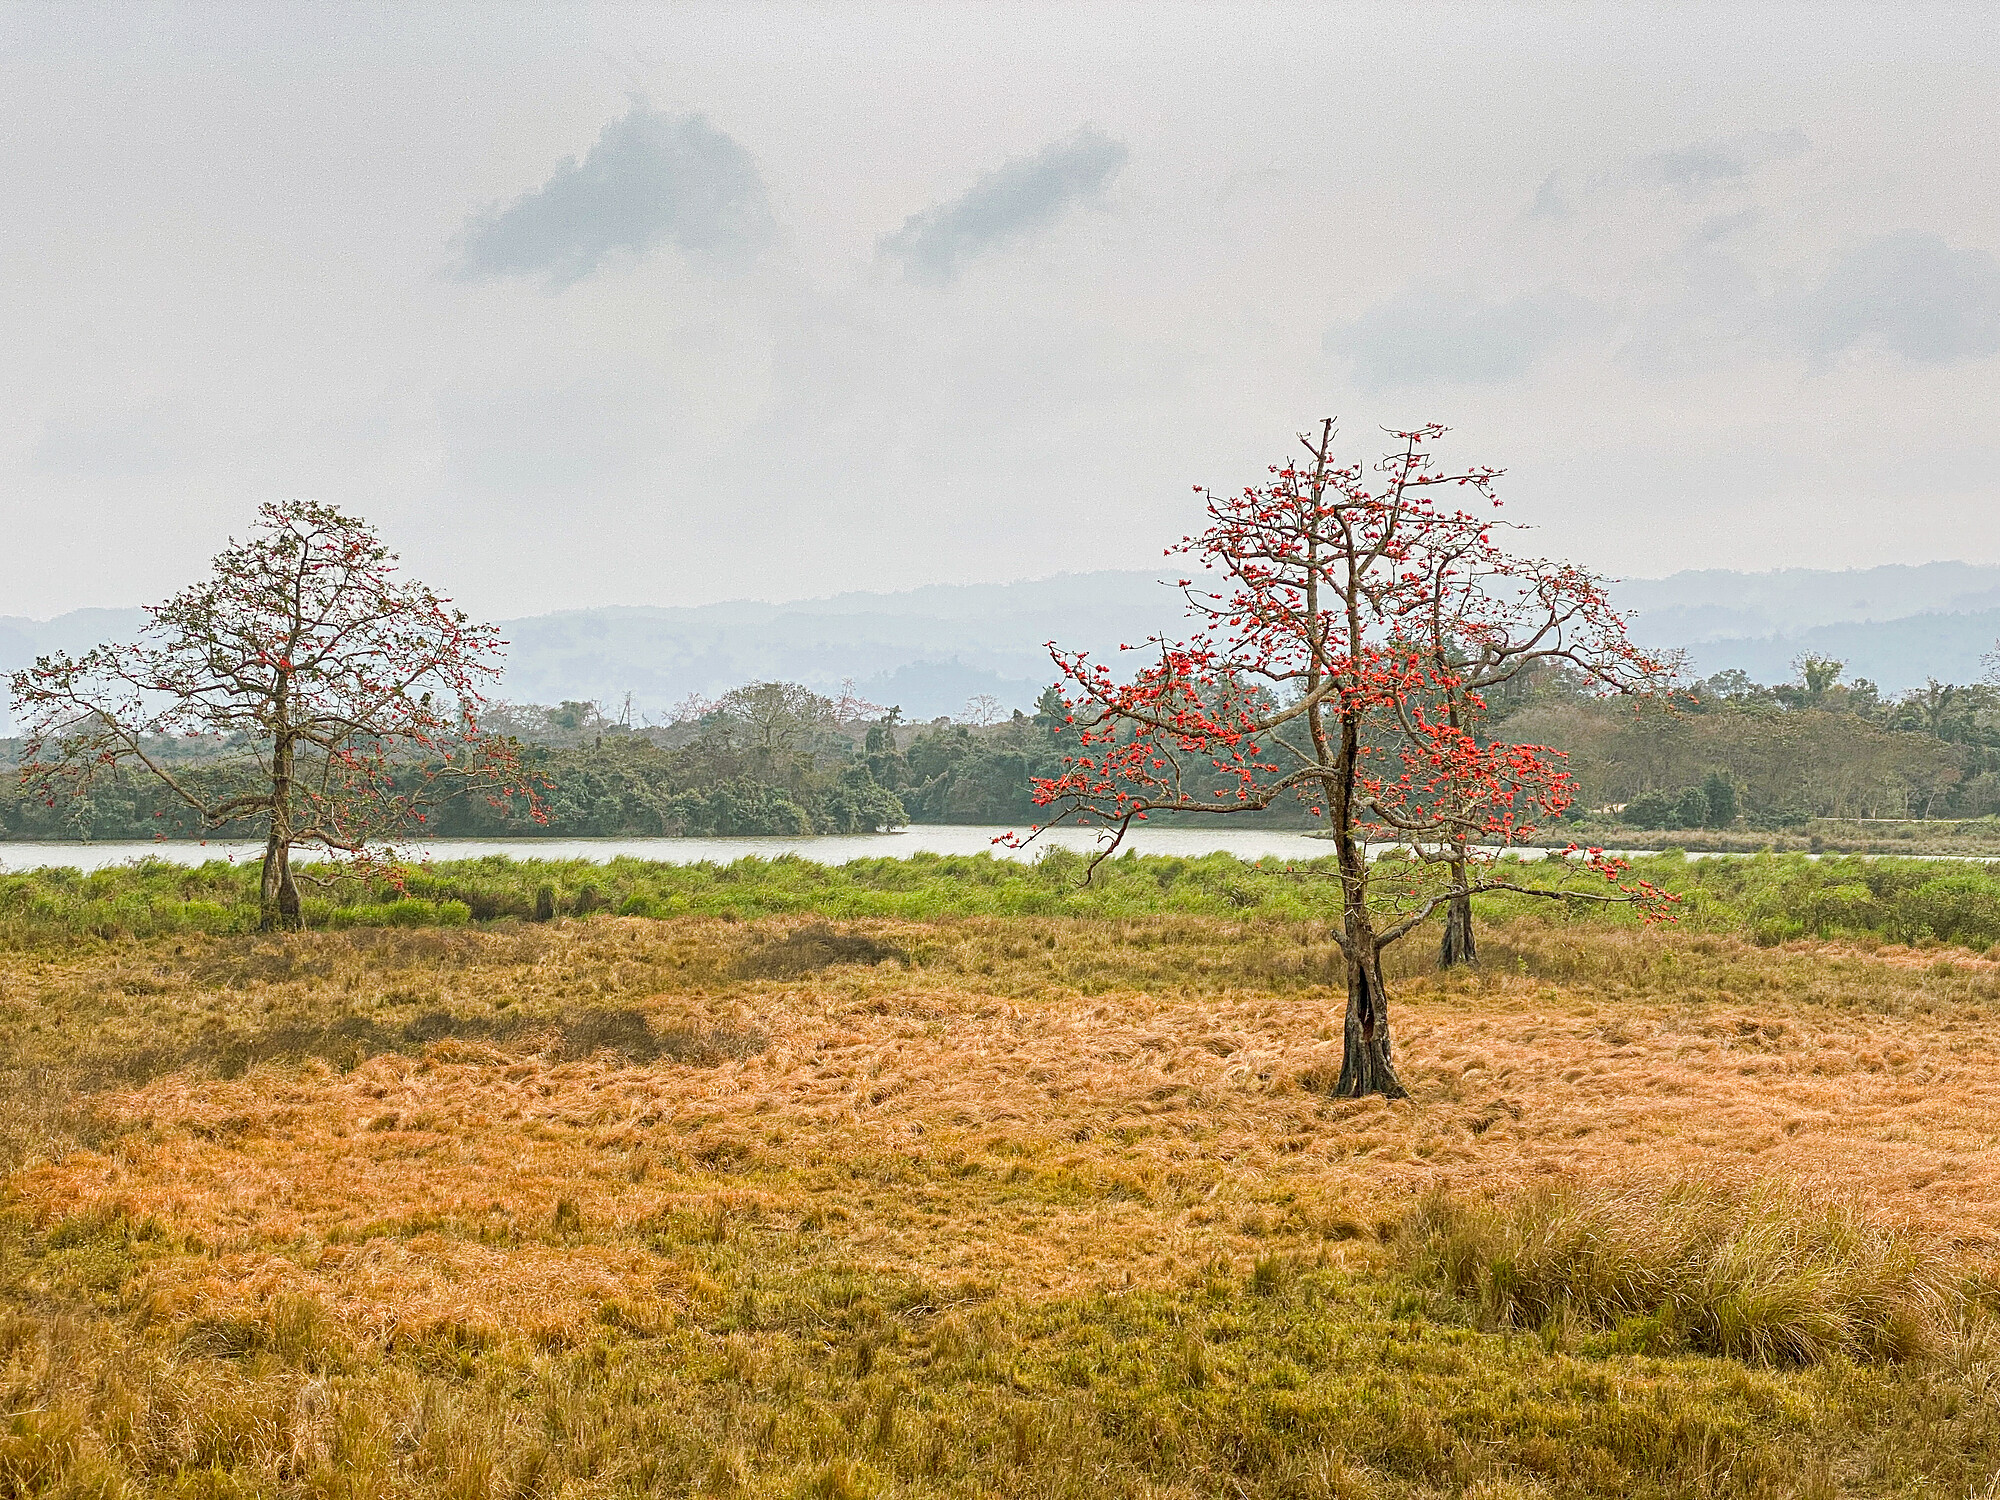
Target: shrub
[
  {"x": 1720, "y": 794},
  {"x": 1952, "y": 908},
  {"x": 1771, "y": 1276},
  {"x": 1651, "y": 810},
  {"x": 1840, "y": 909},
  {"x": 206, "y": 916}
]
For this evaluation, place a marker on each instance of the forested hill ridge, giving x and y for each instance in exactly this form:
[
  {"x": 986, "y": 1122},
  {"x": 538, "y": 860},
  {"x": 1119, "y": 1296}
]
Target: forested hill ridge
[
  {"x": 1897, "y": 626},
  {"x": 931, "y": 650},
  {"x": 1716, "y": 604}
]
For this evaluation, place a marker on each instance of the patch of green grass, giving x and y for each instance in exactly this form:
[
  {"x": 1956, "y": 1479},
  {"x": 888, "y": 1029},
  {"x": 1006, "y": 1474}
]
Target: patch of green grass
[{"x": 1772, "y": 897}]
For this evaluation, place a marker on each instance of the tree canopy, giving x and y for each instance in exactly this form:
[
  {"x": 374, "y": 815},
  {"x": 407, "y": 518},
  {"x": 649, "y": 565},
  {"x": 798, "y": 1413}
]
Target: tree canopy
[{"x": 318, "y": 676}]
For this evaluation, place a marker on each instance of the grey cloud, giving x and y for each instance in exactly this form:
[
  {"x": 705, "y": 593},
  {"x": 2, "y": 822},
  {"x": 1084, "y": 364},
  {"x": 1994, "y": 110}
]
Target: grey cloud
[
  {"x": 651, "y": 178},
  {"x": 1908, "y": 293},
  {"x": 1719, "y": 227},
  {"x": 1693, "y": 169},
  {"x": 1423, "y": 338},
  {"x": 1005, "y": 204},
  {"x": 1549, "y": 202},
  {"x": 1686, "y": 171}
]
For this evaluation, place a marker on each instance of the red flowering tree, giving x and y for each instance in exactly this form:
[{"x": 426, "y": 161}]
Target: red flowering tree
[
  {"x": 1312, "y": 672},
  {"x": 339, "y": 699},
  {"x": 1475, "y": 618}
]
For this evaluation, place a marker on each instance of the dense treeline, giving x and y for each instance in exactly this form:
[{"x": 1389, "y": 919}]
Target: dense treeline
[
  {"x": 1732, "y": 752},
  {"x": 768, "y": 759},
  {"x": 776, "y": 758},
  {"x": 771, "y": 758}
]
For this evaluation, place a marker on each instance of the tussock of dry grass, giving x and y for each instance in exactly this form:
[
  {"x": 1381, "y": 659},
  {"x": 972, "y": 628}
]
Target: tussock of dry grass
[
  {"x": 811, "y": 949},
  {"x": 1773, "y": 1276}
]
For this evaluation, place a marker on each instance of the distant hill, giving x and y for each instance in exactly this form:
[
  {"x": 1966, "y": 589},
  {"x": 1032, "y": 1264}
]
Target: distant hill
[
  {"x": 21, "y": 640},
  {"x": 1893, "y": 654},
  {"x": 927, "y": 650},
  {"x": 1688, "y": 609},
  {"x": 931, "y": 649}
]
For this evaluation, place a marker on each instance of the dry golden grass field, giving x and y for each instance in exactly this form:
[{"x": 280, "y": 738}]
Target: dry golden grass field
[{"x": 995, "y": 1206}]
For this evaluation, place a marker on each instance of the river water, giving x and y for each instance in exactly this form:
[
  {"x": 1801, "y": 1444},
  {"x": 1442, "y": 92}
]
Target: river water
[
  {"x": 825, "y": 849},
  {"x": 830, "y": 849}
]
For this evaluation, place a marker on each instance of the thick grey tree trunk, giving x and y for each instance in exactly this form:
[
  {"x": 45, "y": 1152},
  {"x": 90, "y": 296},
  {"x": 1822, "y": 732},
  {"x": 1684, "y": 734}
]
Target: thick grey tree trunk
[
  {"x": 1458, "y": 945},
  {"x": 1365, "y": 1063},
  {"x": 279, "y": 897}
]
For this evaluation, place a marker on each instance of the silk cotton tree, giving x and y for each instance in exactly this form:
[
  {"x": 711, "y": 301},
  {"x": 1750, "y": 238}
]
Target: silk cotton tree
[
  {"x": 339, "y": 700},
  {"x": 1476, "y": 618},
  {"x": 1300, "y": 679}
]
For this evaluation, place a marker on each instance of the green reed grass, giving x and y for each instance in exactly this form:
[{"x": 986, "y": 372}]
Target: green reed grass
[{"x": 1773, "y": 898}]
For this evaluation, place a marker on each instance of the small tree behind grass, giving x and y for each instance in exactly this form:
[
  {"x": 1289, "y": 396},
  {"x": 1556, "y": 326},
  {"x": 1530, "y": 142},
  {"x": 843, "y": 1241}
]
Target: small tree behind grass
[
  {"x": 340, "y": 698},
  {"x": 1477, "y": 620},
  {"x": 1719, "y": 800},
  {"x": 1691, "y": 809}
]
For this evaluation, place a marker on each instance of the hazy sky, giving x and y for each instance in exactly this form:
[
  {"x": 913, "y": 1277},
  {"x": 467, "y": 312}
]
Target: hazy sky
[{"x": 676, "y": 303}]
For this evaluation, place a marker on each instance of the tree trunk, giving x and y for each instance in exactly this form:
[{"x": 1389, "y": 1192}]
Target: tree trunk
[
  {"x": 279, "y": 897},
  {"x": 1458, "y": 946},
  {"x": 1365, "y": 1066}
]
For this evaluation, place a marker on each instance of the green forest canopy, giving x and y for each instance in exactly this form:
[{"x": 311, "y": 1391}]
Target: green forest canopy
[{"x": 777, "y": 758}]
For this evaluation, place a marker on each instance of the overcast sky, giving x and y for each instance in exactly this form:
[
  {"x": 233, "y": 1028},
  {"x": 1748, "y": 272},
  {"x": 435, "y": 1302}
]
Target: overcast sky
[{"x": 679, "y": 303}]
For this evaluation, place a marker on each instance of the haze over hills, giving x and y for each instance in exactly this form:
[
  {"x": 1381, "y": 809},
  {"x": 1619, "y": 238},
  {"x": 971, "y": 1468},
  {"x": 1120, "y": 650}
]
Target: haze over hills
[
  {"x": 1894, "y": 625},
  {"x": 931, "y": 649},
  {"x": 1714, "y": 604}
]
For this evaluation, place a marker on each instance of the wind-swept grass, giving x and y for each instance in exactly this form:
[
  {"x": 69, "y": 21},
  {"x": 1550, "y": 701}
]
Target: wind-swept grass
[
  {"x": 990, "y": 1206},
  {"x": 1286, "y": 1380}
]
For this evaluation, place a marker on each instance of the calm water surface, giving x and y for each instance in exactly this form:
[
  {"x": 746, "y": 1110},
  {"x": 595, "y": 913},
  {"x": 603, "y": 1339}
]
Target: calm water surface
[{"x": 825, "y": 849}]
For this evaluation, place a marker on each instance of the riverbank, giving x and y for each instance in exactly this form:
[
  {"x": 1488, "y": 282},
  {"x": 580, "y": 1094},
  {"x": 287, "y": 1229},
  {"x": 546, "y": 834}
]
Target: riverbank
[
  {"x": 1977, "y": 840},
  {"x": 933, "y": 839}
]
